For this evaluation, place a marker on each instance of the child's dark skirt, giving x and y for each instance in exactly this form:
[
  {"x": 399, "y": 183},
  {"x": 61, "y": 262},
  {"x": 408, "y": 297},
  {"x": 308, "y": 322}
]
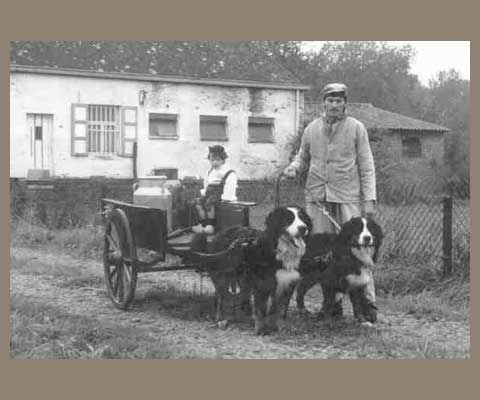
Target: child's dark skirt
[{"x": 213, "y": 196}]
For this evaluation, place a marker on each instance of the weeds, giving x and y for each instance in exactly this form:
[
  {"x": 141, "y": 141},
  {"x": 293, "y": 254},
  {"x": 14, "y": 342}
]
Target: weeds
[
  {"x": 41, "y": 331},
  {"x": 82, "y": 241},
  {"x": 411, "y": 285}
]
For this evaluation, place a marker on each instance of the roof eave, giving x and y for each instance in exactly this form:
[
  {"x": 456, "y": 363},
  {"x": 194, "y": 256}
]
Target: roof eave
[
  {"x": 154, "y": 78},
  {"x": 439, "y": 129}
]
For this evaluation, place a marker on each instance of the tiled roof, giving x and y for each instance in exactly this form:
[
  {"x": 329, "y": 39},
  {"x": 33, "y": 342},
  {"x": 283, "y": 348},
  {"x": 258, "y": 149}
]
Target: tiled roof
[
  {"x": 236, "y": 61},
  {"x": 376, "y": 118}
]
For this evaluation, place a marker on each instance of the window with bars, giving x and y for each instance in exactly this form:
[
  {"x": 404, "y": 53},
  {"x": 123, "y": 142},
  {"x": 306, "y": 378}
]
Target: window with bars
[
  {"x": 103, "y": 129},
  {"x": 260, "y": 130},
  {"x": 213, "y": 127}
]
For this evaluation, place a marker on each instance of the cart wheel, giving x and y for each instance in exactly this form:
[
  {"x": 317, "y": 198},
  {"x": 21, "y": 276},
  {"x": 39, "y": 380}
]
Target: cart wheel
[{"x": 119, "y": 260}]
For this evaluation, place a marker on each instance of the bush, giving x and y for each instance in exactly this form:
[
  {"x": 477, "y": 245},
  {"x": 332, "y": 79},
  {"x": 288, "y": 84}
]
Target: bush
[{"x": 84, "y": 241}]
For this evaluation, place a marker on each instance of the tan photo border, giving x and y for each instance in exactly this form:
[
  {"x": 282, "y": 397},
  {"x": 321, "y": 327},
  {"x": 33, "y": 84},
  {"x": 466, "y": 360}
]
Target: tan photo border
[{"x": 242, "y": 379}]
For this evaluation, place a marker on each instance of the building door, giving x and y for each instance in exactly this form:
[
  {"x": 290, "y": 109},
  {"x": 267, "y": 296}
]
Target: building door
[{"x": 41, "y": 137}]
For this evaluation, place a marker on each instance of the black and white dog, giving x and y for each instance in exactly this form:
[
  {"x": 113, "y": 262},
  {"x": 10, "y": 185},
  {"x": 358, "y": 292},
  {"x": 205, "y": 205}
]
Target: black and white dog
[
  {"x": 267, "y": 266},
  {"x": 343, "y": 264}
]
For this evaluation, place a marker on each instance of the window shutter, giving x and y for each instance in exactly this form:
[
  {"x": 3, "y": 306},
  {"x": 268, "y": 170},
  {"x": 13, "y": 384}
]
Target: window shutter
[
  {"x": 129, "y": 130},
  {"x": 79, "y": 130}
]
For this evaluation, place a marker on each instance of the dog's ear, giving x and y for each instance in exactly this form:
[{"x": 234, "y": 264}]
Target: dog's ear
[
  {"x": 378, "y": 236},
  {"x": 275, "y": 223},
  {"x": 302, "y": 213},
  {"x": 346, "y": 233}
]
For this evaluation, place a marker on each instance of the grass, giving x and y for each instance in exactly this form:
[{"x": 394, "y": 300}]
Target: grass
[
  {"x": 427, "y": 305},
  {"x": 396, "y": 274},
  {"x": 86, "y": 242},
  {"x": 388, "y": 345},
  {"x": 42, "y": 331},
  {"x": 412, "y": 286}
]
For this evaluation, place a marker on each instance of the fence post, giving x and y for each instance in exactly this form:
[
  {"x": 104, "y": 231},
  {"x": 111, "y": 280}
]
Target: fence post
[{"x": 447, "y": 235}]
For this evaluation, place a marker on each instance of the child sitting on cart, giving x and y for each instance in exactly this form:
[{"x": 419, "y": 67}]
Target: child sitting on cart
[{"x": 220, "y": 184}]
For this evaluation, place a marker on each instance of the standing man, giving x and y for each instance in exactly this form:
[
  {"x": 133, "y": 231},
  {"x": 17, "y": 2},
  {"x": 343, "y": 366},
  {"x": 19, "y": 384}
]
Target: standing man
[{"x": 341, "y": 171}]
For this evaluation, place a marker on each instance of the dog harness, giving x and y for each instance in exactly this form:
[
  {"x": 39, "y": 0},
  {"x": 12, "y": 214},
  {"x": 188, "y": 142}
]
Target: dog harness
[{"x": 214, "y": 191}]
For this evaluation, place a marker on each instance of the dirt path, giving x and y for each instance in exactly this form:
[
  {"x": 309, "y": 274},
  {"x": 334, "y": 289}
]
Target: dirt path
[{"x": 168, "y": 306}]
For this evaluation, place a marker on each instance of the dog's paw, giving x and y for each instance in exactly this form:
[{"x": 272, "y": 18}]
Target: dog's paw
[
  {"x": 261, "y": 329},
  {"x": 367, "y": 324},
  {"x": 370, "y": 313},
  {"x": 223, "y": 324}
]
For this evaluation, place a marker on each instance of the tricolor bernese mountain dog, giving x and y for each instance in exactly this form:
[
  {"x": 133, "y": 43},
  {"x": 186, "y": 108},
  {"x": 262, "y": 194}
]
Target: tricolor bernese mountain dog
[
  {"x": 267, "y": 265},
  {"x": 342, "y": 263}
]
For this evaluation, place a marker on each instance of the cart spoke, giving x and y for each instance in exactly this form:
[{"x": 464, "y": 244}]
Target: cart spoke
[
  {"x": 113, "y": 243},
  {"x": 121, "y": 288},
  {"x": 112, "y": 272},
  {"x": 128, "y": 271},
  {"x": 115, "y": 282},
  {"x": 126, "y": 278}
]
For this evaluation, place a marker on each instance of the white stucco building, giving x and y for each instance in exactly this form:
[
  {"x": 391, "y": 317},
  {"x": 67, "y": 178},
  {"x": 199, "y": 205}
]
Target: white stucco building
[{"x": 76, "y": 108}]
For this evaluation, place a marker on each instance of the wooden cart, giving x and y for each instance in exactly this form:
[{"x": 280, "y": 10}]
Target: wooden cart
[{"x": 132, "y": 229}]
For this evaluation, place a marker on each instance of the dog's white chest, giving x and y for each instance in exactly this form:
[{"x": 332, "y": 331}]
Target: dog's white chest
[
  {"x": 363, "y": 279},
  {"x": 286, "y": 279},
  {"x": 289, "y": 252}
]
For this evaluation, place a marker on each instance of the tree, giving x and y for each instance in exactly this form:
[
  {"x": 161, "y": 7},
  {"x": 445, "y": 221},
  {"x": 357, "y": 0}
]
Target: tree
[
  {"x": 375, "y": 72},
  {"x": 449, "y": 105},
  {"x": 379, "y": 73}
]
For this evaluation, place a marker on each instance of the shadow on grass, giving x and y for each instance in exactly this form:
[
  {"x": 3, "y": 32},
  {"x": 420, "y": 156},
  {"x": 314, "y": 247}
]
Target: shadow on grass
[{"x": 189, "y": 306}]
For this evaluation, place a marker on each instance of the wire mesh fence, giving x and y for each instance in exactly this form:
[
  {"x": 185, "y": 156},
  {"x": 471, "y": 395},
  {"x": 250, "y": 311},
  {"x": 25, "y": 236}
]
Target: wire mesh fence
[
  {"x": 413, "y": 215},
  {"x": 428, "y": 221}
]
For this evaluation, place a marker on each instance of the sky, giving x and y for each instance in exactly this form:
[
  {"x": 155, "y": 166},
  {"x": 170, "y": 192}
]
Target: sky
[{"x": 431, "y": 57}]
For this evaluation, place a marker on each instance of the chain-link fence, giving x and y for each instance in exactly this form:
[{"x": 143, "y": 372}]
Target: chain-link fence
[
  {"x": 427, "y": 221},
  {"x": 423, "y": 221}
]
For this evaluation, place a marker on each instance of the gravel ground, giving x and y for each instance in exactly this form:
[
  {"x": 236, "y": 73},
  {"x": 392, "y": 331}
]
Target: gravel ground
[{"x": 177, "y": 308}]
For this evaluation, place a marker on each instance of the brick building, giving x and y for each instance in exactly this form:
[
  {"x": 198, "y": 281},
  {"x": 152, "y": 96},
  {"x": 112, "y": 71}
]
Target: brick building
[{"x": 404, "y": 148}]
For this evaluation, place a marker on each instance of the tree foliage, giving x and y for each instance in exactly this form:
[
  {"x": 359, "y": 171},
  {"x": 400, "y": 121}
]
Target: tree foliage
[
  {"x": 449, "y": 105},
  {"x": 379, "y": 73}
]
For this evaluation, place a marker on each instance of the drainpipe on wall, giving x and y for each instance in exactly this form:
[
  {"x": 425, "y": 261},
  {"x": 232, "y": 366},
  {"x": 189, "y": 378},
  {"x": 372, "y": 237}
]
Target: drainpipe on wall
[
  {"x": 134, "y": 160},
  {"x": 297, "y": 110}
]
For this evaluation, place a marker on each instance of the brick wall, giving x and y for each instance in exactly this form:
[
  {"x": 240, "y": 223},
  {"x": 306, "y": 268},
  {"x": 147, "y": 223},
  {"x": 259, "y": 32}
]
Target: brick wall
[{"x": 392, "y": 167}]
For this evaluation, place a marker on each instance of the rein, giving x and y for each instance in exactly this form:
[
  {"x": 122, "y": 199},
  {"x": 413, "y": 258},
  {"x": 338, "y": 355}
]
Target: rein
[{"x": 327, "y": 214}]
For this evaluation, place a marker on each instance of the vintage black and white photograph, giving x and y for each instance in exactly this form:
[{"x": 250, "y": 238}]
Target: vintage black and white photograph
[{"x": 239, "y": 199}]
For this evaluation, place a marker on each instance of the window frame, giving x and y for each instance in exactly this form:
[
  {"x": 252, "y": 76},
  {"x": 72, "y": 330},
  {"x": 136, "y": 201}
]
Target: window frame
[
  {"x": 120, "y": 149},
  {"x": 165, "y": 117},
  {"x": 261, "y": 121},
  {"x": 213, "y": 118},
  {"x": 411, "y": 147}
]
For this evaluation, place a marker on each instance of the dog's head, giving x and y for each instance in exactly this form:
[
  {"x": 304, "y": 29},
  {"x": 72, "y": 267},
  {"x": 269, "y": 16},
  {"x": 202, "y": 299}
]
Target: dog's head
[
  {"x": 290, "y": 221},
  {"x": 286, "y": 230},
  {"x": 364, "y": 237}
]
